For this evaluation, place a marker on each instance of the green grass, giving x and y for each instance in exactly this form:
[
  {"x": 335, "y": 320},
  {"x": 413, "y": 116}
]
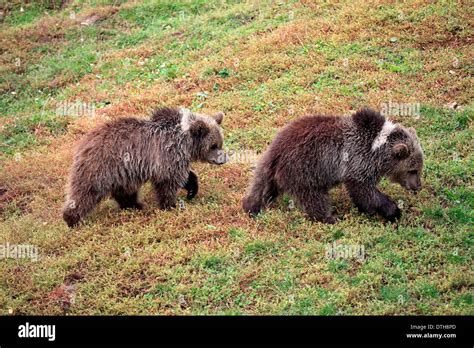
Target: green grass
[{"x": 264, "y": 64}]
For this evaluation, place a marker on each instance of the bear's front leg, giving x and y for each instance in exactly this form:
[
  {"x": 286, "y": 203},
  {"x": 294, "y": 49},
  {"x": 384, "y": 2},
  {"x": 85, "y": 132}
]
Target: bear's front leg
[
  {"x": 166, "y": 193},
  {"x": 127, "y": 200},
  {"x": 370, "y": 200},
  {"x": 192, "y": 185}
]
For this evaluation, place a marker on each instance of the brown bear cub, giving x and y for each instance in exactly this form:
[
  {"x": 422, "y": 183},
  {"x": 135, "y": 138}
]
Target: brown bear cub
[
  {"x": 118, "y": 157},
  {"x": 313, "y": 154}
]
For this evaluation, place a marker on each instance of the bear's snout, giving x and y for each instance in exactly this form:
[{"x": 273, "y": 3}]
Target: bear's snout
[{"x": 220, "y": 158}]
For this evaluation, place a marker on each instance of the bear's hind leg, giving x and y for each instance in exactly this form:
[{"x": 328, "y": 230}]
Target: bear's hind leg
[
  {"x": 263, "y": 192},
  {"x": 78, "y": 207},
  {"x": 127, "y": 200},
  {"x": 316, "y": 204},
  {"x": 166, "y": 193},
  {"x": 264, "y": 188}
]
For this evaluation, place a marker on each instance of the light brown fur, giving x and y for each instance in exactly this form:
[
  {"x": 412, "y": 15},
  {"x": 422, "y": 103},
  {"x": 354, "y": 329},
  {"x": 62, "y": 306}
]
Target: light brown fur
[{"x": 118, "y": 157}]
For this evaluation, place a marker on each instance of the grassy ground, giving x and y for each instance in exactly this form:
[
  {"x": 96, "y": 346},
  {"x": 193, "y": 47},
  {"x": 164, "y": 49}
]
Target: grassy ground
[{"x": 263, "y": 63}]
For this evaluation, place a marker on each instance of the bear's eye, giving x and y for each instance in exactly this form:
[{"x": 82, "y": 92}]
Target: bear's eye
[
  {"x": 213, "y": 147},
  {"x": 414, "y": 172}
]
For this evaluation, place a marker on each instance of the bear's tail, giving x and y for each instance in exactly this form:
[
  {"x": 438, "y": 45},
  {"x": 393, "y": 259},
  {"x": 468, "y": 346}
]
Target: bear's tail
[{"x": 264, "y": 189}]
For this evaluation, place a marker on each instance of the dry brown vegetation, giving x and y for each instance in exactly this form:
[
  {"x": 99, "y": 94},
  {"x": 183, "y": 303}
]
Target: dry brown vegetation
[{"x": 264, "y": 65}]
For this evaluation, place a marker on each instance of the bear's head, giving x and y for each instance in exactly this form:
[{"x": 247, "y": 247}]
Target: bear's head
[
  {"x": 406, "y": 163},
  {"x": 206, "y": 135}
]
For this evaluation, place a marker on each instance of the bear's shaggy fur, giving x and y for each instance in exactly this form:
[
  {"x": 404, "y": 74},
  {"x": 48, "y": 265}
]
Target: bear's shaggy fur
[
  {"x": 118, "y": 157},
  {"x": 313, "y": 154}
]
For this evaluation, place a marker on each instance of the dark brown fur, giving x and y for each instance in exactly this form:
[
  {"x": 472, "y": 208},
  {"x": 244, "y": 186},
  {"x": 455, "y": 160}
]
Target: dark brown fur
[{"x": 313, "y": 154}]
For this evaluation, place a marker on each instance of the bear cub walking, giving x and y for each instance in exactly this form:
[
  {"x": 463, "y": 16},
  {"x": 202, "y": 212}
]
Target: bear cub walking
[
  {"x": 313, "y": 154},
  {"x": 118, "y": 157}
]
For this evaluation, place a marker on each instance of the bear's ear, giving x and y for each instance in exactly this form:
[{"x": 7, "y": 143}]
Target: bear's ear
[
  {"x": 218, "y": 117},
  {"x": 199, "y": 128},
  {"x": 400, "y": 151}
]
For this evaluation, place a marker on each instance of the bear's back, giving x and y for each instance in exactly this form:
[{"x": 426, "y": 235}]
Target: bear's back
[
  {"x": 310, "y": 148},
  {"x": 311, "y": 130}
]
